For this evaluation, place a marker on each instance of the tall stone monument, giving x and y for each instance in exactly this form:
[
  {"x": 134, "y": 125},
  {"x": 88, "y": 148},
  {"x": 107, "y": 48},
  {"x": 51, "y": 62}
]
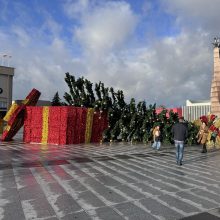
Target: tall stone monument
[{"x": 215, "y": 86}]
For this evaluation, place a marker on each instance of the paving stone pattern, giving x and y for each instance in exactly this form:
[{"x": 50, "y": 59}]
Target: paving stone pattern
[{"x": 110, "y": 182}]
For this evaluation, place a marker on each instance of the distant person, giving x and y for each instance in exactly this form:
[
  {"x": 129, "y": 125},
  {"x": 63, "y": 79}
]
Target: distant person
[
  {"x": 214, "y": 136},
  {"x": 156, "y": 138},
  {"x": 202, "y": 136},
  {"x": 180, "y": 132}
]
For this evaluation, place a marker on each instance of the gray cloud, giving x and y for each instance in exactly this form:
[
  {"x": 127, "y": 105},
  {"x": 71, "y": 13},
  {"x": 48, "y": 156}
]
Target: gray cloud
[
  {"x": 196, "y": 14},
  {"x": 105, "y": 28},
  {"x": 168, "y": 71},
  {"x": 76, "y": 8}
]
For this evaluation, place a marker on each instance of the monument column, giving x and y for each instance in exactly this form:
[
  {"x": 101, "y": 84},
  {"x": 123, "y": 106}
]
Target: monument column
[{"x": 215, "y": 86}]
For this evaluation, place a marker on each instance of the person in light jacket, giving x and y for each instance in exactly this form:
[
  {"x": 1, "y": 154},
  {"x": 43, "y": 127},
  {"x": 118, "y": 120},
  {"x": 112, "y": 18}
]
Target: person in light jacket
[
  {"x": 202, "y": 136},
  {"x": 156, "y": 137}
]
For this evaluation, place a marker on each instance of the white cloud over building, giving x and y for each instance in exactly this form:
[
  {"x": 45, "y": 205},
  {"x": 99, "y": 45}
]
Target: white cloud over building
[{"x": 100, "y": 40}]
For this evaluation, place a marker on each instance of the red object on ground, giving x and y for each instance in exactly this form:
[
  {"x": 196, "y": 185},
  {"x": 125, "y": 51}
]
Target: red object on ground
[
  {"x": 16, "y": 120},
  {"x": 65, "y": 125}
]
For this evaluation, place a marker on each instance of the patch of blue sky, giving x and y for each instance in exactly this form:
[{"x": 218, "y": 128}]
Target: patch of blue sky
[
  {"x": 154, "y": 21},
  {"x": 32, "y": 17}
]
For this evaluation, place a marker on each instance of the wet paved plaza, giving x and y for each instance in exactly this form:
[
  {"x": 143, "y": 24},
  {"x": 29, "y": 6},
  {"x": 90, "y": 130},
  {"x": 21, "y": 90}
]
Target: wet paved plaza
[{"x": 110, "y": 182}]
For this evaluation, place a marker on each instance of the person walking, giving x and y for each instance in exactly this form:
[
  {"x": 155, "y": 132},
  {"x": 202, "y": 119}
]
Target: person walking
[
  {"x": 156, "y": 137},
  {"x": 202, "y": 136},
  {"x": 214, "y": 136},
  {"x": 180, "y": 132}
]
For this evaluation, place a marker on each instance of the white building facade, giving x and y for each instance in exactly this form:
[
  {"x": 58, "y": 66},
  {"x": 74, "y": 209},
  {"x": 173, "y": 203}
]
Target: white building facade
[
  {"x": 6, "y": 86},
  {"x": 195, "y": 109}
]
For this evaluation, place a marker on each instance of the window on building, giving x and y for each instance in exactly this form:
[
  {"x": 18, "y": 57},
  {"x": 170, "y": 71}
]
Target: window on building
[{"x": 3, "y": 105}]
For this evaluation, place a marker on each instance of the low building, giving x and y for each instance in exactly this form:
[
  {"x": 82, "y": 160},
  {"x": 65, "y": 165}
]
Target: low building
[
  {"x": 196, "y": 108},
  {"x": 6, "y": 85}
]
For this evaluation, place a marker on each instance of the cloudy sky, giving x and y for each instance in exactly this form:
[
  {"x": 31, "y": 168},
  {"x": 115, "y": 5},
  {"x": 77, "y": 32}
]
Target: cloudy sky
[{"x": 154, "y": 50}]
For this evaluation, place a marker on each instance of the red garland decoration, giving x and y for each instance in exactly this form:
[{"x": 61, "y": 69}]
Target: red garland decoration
[
  {"x": 54, "y": 124},
  {"x": 33, "y": 125},
  {"x": 17, "y": 119},
  {"x": 204, "y": 119},
  {"x": 212, "y": 117},
  {"x": 83, "y": 114},
  {"x": 212, "y": 128},
  {"x": 71, "y": 124}
]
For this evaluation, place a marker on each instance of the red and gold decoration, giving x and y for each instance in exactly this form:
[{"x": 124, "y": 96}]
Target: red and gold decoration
[
  {"x": 45, "y": 125},
  {"x": 15, "y": 115},
  {"x": 11, "y": 111},
  {"x": 63, "y": 125},
  {"x": 100, "y": 123},
  {"x": 89, "y": 123},
  {"x": 213, "y": 122}
]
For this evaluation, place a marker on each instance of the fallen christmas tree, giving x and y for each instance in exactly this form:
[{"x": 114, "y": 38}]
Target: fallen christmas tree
[{"x": 126, "y": 121}]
